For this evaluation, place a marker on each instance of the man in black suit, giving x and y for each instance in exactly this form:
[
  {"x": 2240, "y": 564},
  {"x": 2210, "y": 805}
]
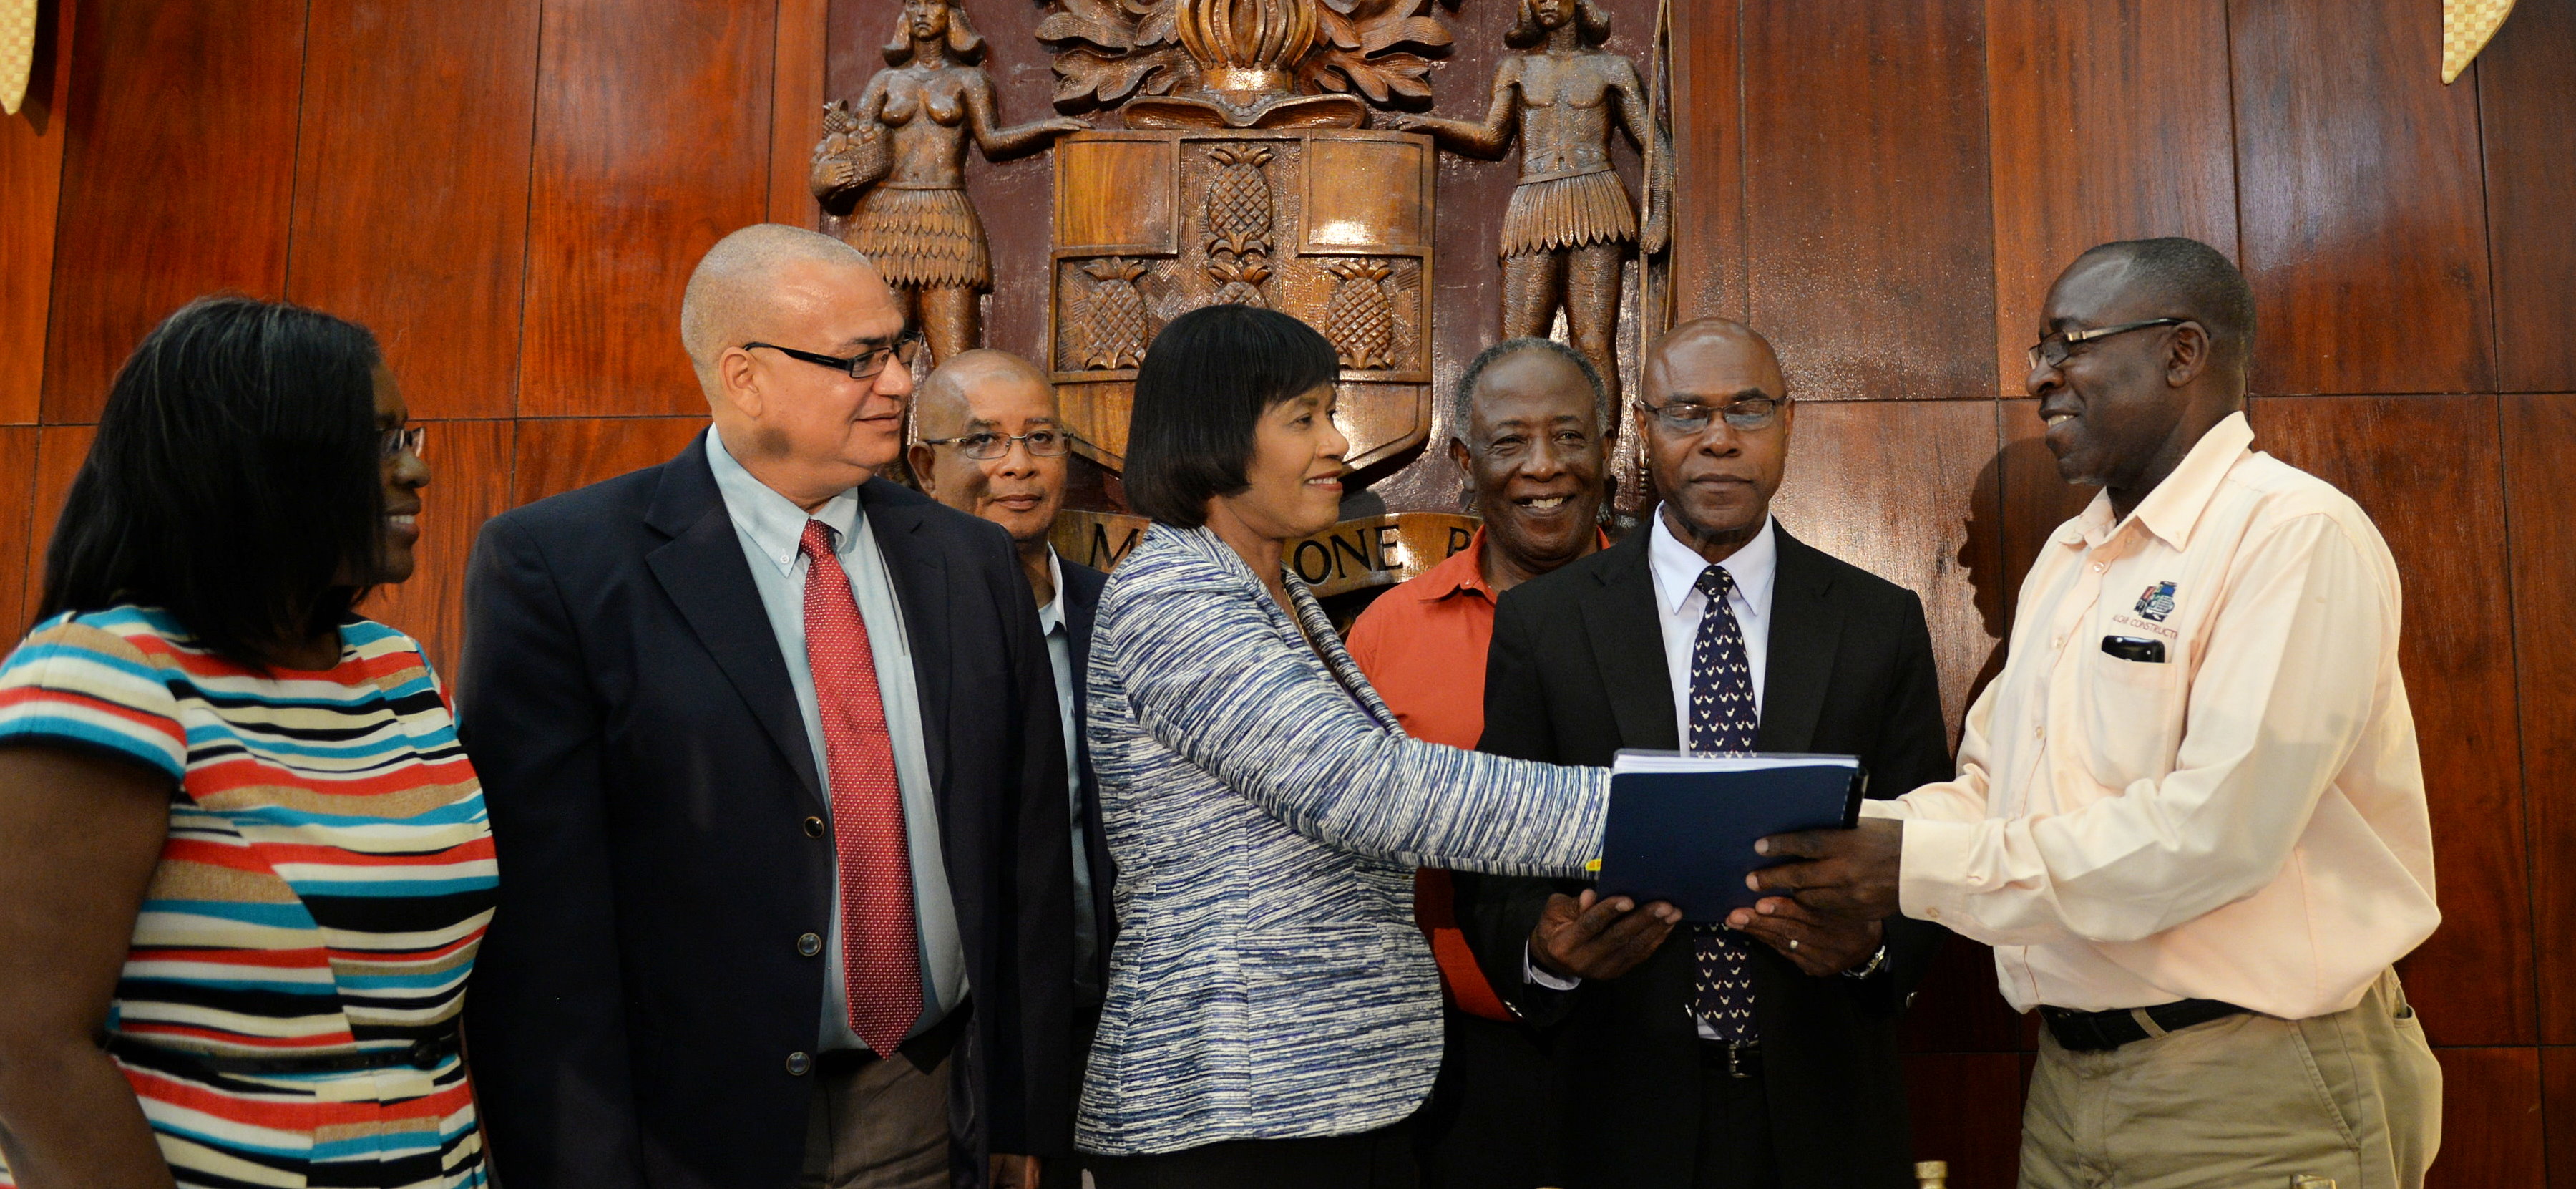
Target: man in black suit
[
  {"x": 1762, "y": 1054},
  {"x": 991, "y": 442},
  {"x": 769, "y": 749}
]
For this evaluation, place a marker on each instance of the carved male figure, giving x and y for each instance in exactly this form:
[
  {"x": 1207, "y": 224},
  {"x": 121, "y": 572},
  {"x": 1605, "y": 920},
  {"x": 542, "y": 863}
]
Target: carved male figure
[{"x": 1571, "y": 220}]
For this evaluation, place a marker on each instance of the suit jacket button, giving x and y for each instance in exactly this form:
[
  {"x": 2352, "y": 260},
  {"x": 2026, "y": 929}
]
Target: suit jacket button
[
  {"x": 813, "y": 827},
  {"x": 798, "y": 1064},
  {"x": 809, "y": 944}
]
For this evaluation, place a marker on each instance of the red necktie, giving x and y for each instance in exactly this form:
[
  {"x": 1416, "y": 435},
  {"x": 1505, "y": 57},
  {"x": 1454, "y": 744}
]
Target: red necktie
[{"x": 880, "y": 958}]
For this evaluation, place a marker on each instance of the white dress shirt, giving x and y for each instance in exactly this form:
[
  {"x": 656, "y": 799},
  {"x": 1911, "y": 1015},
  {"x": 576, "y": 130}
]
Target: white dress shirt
[
  {"x": 1679, "y": 607},
  {"x": 771, "y": 528},
  {"x": 2242, "y": 820}
]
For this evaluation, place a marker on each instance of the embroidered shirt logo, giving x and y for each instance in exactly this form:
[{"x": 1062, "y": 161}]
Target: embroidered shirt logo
[{"x": 2158, "y": 602}]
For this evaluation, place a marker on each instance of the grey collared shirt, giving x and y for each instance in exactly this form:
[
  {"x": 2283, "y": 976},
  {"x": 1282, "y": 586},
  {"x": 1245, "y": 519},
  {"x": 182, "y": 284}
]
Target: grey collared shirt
[
  {"x": 1059, "y": 641},
  {"x": 770, "y": 527}
]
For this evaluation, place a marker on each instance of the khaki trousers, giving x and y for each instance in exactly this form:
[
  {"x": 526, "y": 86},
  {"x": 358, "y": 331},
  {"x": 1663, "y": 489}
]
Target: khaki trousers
[
  {"x": 2247, "y": 1102},
  {"x": 878, "y": 1124}
]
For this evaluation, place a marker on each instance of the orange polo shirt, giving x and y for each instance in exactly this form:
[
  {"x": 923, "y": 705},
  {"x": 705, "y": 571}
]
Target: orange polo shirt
[{"x": 1422, "y": 645}]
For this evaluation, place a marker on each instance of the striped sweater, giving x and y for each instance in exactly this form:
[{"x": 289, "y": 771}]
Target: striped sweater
[{"x": 1266, "y": 814}]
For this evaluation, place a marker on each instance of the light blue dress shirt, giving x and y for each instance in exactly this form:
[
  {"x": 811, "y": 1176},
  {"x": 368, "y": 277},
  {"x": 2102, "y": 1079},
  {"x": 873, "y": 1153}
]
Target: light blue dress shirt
[
  {"x": 1059, "y": 641},
  {"x": 771, "y": 527}
]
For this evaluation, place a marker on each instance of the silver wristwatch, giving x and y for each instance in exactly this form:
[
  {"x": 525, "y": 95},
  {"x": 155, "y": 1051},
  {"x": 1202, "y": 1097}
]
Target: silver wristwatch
[{"x": 1866, "y": 969}]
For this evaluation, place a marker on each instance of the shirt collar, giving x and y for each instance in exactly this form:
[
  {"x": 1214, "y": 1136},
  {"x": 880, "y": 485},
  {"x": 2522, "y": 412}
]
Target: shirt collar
[
  {"x": 773, "y": 522},
  {"x": 2175, "y": 505},
  {"x": 1051, "y": 616},
  {"x": 1677, "y": 567},
  {"x": 1464, "y": 572}
]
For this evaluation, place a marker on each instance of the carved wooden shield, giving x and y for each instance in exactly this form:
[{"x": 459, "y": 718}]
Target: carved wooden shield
[{"x": 1333, "y": 226}]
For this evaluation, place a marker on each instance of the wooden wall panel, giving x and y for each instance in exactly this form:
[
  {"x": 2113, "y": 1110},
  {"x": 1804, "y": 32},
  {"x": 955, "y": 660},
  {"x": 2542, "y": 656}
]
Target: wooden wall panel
[
  {"x": 2035, "y": 500},
  {"x": 2526, "y": 107},
  {"x": 2491, "y": 1124},
  {"x": 60, "y": 450},
  {"x": 17, "y": 525},
  {"x": 1967, "y": 1111},
  {"x": 470, "y": 464},
  {"x": 2108, "y": 119},
  {"x": 652, "y": 142},
  {"x": 558, "y": 456},
  {"x": 2540, "y": 506},
  {"x": 31, "y": 180},
  {"x": 2363, "y": 229},
  {"x": 2427, "y": 469},
  {"x": 2558, "y": 1114},
  {"x": 796, "y": 108},
  {"x": 180, "y": 168},
  {"x": 1708, "y": 148},
  {"x": 417, "y": 227},
  {"x": 1867, "y": 228},
  {"x": 1891, "y": 487}
]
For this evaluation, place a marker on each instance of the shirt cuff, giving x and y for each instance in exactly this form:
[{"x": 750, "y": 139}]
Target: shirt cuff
[
  {"x": 1896, "y": 809},
  {"x": 1933, "y": 879},
  {"x": 1534, "y": 975}
]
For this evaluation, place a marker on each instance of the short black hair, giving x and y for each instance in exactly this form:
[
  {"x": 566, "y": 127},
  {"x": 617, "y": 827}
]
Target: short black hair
[
  {"x": 236, "y": 481},
  {"x": 1200, "y": 392},
  {"x": 1465, "y": 405},
  {"x": 2201, "y": 282}
]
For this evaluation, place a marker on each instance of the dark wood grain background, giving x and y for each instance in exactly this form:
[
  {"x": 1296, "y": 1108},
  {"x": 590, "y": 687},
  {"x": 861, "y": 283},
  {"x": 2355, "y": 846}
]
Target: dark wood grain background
[{"x": 511, "y": 192}]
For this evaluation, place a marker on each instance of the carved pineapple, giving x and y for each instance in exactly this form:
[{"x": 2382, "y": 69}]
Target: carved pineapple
[
  {"x": 1238, "y": 201},
  {"x": 1239, "y": 282},
  {"x": 1358, "y": 318},
  {"x": 1110, "y": 321}
]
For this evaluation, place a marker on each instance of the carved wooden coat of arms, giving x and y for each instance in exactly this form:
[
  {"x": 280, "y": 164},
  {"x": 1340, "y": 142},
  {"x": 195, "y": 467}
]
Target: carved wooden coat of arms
[{"x": 1247, "y": 174}]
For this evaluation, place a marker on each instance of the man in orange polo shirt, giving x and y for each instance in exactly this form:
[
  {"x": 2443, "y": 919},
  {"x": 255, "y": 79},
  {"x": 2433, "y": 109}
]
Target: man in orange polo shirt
[{"x": 1530, "y": 418}]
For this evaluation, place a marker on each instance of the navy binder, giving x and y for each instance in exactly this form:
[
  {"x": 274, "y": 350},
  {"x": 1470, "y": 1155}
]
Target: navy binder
[{"x": 1682, "y": 828}]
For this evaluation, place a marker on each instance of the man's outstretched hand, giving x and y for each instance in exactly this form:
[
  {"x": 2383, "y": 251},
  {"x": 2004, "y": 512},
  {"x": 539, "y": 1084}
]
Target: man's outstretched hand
[
  {"x": 1819, "y": 944},
  {"x": 1845, "y": 873},
  {"x": 1589, "y": 937}
]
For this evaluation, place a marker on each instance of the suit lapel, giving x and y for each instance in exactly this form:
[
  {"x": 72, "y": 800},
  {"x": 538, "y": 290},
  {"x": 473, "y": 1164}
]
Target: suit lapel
[
  {"x": 704, "y": 572},
  {"x": 1626, "y": 632},
  {"x": 920, "y": 577},
  {"x": 1806, "y": 627}
]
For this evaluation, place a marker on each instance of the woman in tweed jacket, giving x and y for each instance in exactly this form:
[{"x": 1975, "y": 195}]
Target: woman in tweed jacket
[{"x": 1272, "y": 1014}]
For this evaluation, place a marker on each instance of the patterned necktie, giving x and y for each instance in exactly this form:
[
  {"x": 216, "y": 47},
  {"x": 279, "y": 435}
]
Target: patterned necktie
[
  {"x": 880, "y": 956},
  {"x": 1723, "y": 721}
]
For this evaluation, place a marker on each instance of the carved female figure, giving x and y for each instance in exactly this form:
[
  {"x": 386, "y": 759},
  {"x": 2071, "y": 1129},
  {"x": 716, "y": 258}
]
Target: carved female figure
[
  {"x": 1571, "y": 220},
  {"x": 900, "y": 153}
]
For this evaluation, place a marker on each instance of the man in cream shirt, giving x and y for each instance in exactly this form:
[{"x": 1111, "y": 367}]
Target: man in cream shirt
[{"x": 2189, "y": 815}]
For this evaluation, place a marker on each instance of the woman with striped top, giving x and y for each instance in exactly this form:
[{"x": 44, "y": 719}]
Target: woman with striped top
[
  {"x": 1272, "y": 1016},
  {"x": 243, "y": 862}
]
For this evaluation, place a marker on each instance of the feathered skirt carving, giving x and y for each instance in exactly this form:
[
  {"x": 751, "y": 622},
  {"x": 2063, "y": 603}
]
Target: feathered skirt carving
[
  {"x": 925, "y": 239},
  {"x": 1559, "y": 213}
]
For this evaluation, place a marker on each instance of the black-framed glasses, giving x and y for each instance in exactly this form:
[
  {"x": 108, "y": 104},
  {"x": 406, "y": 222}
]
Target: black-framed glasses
[
  {"x": 1749, "y": 414},
  {"x": 985, "y": 446},
  {"x": 397, "y": 442},
  {"x": 904, "y": 350},
  {"x": 2054, "y": 350}
]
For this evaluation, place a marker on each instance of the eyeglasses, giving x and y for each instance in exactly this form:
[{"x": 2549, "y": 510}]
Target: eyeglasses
[
  {"x": 904, "y": 349},
  {"x": 987, "y": 446},
  {"x": 1690, "y": 417},
  {"x": 407, "y": 440},
  {"x": 2054, "y": 350}
]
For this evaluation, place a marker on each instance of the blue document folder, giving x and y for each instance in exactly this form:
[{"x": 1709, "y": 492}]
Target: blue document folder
[{"x": 1682, "y": 827}]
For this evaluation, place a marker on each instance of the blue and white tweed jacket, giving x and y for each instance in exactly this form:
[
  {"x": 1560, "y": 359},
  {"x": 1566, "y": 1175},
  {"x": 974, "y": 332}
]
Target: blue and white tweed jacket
[{"x": 1266, "y": 815}]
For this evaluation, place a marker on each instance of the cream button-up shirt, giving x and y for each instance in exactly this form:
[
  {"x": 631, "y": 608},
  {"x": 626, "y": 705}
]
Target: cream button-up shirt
[{"x": 2243, "y": 821}]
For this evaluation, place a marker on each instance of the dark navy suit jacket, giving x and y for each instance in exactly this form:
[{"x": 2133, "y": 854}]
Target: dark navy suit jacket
[{"x": 637, "y": 1003}]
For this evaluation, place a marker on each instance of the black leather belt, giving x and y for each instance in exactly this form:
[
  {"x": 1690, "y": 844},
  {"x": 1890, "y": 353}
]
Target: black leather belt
[
  {"x": 1739, "y": 1061},
  {"x": 426, "y": 1053},
  {"x": 2102, "y": 1031}
]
